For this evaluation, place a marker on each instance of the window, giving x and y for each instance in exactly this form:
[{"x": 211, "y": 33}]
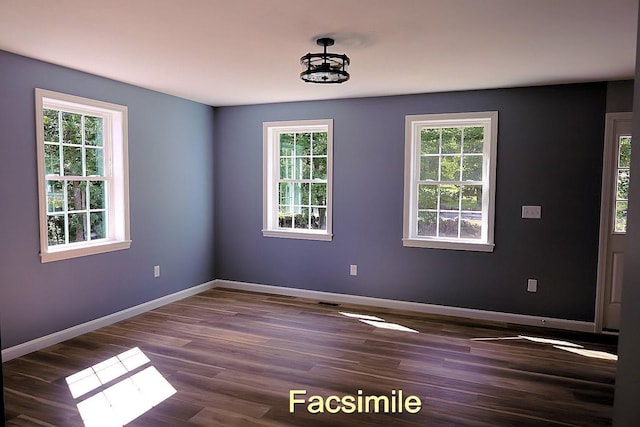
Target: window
[
  {"x": 621, "y": 195},
  {"x": 450, "y": 181},
  {"x": 297, "y": 179},
  {"x": 82, "y": 176}
]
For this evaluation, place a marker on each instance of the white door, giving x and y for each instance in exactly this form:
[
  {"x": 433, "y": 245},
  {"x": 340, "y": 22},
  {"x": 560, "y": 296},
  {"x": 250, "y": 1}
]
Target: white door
[{"x": 613, "y": 219}]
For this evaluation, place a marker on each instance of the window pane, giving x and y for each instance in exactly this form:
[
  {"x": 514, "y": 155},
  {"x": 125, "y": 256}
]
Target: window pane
[
  {"x": 472, "y": 198},
  {"x": 303, "y": 168},
  {"x": 472, "y": 168},
  {"x": 320, "y": 144},
  {"x": 320, "y": 168},
  {"x": 76, "y": 195},
  {"x": 319, "y": 194},
  {"x": 623, "y": 185},
  {"x": 93, "y": 131},
  {"x": 449, "y": 197},
  {"x": 51, "y": 159},
  {"x": 95, "y": 161},
  {"x": 97, "y": 195},
  {"x": 625, "y": 152},
  {"x": 450, "y": 168},
  {"x": 77, "y": 227},
  {"x": 286, "y": 168},
  {"x": 621, "y": 217},
  {"x": 429, "y": 167},
  {"x": 71, "y": 128},
  {"x": 427, "y": 223},
  {"x": 286, "y": 144},
  {"x": 451, "y": 140},
  {"x": 302, "y": 218},
  {"x": 303, "y": 144},
  {"x": 428, "y": 197},
  {"x": 471, "y": 225},
  {"x": 319, "y": 218},
  {"x": 72, "y": 161},
  {"x": 301, "y": 194},
  {"x": 473, "y": 139},
  {"x": 98, "y": 222},
  {"x": 285, "y": 190},
  {"x": 55, "y": 230},
  {"x": 51, "y": 125},
  {"x": 448, "y": 225},
  {"x": 285, "y": 216},
  {"x": 430, "y": 141},
  {"x": 55, "y": 196}
]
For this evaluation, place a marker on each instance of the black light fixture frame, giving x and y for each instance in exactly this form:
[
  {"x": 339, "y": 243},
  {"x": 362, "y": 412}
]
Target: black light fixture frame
[{"x": 325, "y": 68}]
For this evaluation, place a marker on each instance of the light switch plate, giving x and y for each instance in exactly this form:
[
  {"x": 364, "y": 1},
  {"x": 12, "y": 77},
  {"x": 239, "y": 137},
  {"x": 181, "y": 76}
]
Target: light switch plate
[
  {"x": 532, "y": 285},
  {"x": 532, "y": 212}
]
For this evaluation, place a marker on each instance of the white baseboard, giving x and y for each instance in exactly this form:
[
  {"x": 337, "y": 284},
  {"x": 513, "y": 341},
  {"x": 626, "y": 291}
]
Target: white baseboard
[
  {"x": 74, "y": 331},
  {"x": 519, "y": 319}
]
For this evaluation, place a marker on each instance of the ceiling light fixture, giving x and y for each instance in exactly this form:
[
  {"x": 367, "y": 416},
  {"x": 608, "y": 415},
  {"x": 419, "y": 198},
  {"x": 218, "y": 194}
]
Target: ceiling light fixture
[{"x": 324, "y": 67}]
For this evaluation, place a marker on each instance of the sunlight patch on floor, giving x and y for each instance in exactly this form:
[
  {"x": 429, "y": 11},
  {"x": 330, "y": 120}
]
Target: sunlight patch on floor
[
  {"x": 125, "y": 400},
  {"x": 101, "y": 373},
  {"x": 361, "y": 316},
  {"x": 533, "y": 339},
  {"x": 385, "y": 325},
  {"x": 378, "y": 322},
  {"x": 550, "y": 341},
  {"x": 595, "y": 354},
  {"x": 559, "y": 344}
]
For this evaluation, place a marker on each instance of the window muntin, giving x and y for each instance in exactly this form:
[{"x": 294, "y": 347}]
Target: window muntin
[
  {"x": 75, "y": 180},
  {"x": 298, "y": 179},
  {"x": 302, "y": 182},
  {"x": 621, "y": 195},
  {"x": 449, "y": 174},
  {"x": 83, "y": 179}
]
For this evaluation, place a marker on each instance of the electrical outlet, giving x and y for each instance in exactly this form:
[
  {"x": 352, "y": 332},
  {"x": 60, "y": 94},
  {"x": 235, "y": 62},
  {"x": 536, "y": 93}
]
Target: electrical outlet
[
  {"x": 353, "y": 269},
  {"x": 156, "y": 271},
  {"x": 532, "y": 285},
  {"x": 532, "y": 212}
]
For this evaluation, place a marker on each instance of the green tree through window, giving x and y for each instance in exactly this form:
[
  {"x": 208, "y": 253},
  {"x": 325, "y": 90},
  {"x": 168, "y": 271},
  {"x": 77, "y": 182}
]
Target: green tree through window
[{"x": 74, "y": 165}]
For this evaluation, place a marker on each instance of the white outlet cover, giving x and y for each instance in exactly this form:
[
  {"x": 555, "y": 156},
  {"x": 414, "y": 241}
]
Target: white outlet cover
[
  {"x": 353, "y": 269},
  {"x": 532, "y": 212},
  {"x": 532, "y": 285}
]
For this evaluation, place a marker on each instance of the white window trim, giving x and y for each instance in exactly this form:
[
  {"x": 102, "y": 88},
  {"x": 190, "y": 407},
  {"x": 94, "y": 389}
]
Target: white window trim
[
  {"x": 271, "y": 166},
  {"x": 116, "y": 163},
  {"x": 412, "y": 168}
]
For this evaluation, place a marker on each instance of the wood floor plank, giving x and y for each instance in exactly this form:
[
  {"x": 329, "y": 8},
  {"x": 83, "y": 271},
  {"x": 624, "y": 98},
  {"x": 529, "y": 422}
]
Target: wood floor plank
[{"x": 233, "y": 357}]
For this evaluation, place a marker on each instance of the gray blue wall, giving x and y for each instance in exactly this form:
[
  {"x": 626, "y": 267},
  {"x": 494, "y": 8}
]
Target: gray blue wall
[
  {"x": 171, "y": 205},
  {"x": 550, "y": 143},
  {"x": 620, "y": 96}
]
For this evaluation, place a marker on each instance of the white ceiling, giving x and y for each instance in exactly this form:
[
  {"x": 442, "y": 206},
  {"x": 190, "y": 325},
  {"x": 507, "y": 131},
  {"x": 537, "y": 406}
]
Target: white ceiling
[{"x": 234, "y": 52}]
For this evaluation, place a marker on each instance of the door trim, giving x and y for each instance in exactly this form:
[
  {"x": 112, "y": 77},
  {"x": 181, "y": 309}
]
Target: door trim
[{"x": 608, "y": 165}]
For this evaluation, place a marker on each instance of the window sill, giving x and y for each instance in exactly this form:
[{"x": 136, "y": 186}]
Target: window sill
[
  {"x": 68, "y": 253},
  {"x": 304, "y": 235},
  {"x": 448, "y": 244}
]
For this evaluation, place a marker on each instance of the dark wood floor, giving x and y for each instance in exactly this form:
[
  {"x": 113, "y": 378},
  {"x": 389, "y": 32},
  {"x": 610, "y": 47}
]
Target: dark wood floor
[{"x": 234, "y": 356}]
